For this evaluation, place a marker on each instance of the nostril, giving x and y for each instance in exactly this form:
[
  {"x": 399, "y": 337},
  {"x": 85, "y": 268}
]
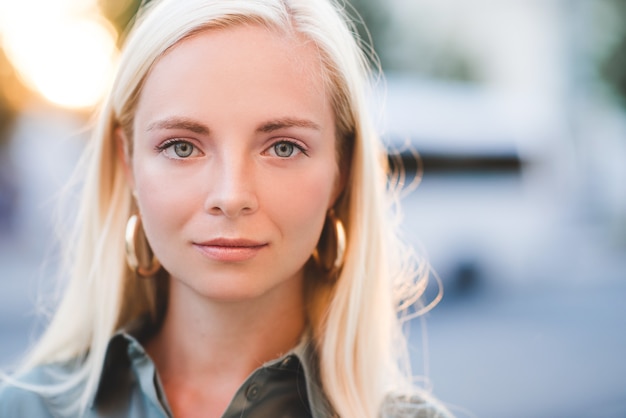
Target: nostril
[{"x": 231, "y": 207}]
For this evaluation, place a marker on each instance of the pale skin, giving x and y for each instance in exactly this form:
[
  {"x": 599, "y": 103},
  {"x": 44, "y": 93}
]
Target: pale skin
[{"x": 233, "y": 169}]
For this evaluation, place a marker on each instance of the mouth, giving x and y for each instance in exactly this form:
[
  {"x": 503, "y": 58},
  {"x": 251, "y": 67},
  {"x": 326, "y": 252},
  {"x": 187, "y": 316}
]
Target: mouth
[{"x": 230, "y": 250}]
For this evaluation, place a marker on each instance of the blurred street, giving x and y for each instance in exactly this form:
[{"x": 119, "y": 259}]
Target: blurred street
[{"x": 549, "y": 345}]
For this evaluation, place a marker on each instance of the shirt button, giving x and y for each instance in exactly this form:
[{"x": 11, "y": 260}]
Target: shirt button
[{"x": 252, "y": 393}]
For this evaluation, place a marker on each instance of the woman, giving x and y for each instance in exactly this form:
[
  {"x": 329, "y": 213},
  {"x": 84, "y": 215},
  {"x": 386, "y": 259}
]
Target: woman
[{"x": 260, "y": 276}]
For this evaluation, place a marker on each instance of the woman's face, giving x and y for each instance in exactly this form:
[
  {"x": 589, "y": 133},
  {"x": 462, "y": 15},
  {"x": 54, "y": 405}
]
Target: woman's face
[{"x": 234, "y": 164}]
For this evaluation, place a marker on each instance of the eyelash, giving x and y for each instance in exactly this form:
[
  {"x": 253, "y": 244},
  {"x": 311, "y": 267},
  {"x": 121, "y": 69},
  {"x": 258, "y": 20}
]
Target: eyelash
[
  {"x": 299, "y": 146},
  {"x": 172, "y": 142}
]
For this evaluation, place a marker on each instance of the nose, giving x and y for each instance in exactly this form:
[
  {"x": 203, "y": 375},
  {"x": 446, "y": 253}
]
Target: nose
[{"x": 231, "y": 188}]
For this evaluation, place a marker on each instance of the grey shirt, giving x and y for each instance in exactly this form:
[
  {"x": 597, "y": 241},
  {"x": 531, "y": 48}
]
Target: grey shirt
[{"x": 129, "y": 386}]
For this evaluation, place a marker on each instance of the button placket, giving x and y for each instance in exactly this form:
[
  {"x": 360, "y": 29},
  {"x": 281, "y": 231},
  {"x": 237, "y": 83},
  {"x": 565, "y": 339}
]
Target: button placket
[{"x": 252, "y": 392}]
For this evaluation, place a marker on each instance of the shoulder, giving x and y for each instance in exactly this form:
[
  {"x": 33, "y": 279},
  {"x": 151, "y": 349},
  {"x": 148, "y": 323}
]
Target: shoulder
[
  {"x": 18, "y": 399},
  {"x": 33, "y": 394},
  {"x": 413, "y": 406}
]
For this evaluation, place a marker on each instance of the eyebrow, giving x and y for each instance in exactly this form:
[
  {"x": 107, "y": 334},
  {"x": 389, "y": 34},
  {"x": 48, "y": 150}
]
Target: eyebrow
[
  {"x": 198, "y": 128},
  {"x": 282, "y": 123},
  {"x": 179, "y": 123}
]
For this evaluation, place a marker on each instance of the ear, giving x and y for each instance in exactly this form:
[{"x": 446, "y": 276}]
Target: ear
[{"x": 123, "y": 154}]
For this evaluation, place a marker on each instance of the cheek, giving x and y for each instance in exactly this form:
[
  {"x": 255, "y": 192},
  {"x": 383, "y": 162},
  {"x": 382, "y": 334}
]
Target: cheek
[
  {"x": 299, "y": 203},
  {"x": 306, "y": 196},
  {"x": 165, "y": 201}
]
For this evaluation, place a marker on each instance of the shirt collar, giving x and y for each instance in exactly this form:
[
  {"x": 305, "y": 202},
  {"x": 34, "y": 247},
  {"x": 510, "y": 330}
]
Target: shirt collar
[
  {"x": 125, "y": 348},
  {"x": 307, "y": 354}
]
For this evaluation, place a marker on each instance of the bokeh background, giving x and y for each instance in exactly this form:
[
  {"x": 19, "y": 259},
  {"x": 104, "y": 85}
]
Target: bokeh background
[{"x": 517, "y": 109}]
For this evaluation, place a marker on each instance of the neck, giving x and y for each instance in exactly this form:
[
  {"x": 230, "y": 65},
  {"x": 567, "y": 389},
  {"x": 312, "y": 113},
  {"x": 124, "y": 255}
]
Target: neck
[
  {"x": 200, "y": 336},
  {"x": 206, "y": 349}
]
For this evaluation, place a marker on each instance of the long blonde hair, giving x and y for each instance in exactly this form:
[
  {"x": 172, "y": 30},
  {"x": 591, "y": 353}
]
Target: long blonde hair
[{"x": 354, "y": 318}]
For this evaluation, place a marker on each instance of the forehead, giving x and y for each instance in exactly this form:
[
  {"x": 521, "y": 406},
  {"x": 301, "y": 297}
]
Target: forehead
[{"x": 242, "y": 63}]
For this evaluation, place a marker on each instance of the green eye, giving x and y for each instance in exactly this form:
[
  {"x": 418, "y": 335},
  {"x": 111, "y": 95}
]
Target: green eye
[
  {"x": 283, "y": 149},
  {"x": 183, "y": 149}
]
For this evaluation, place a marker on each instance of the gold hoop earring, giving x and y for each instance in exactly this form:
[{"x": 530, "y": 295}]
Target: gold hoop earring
[
  {"x": 134, "y": 231},
  {"x": 337, "y": 242}
]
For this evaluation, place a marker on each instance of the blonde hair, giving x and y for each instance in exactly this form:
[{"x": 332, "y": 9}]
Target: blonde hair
[{"x": 354, "y": 318}]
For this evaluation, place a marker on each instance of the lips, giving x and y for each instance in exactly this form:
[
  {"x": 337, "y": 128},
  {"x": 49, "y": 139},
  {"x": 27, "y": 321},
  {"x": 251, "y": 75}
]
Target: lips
[{"x": 230, "y": 250}]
